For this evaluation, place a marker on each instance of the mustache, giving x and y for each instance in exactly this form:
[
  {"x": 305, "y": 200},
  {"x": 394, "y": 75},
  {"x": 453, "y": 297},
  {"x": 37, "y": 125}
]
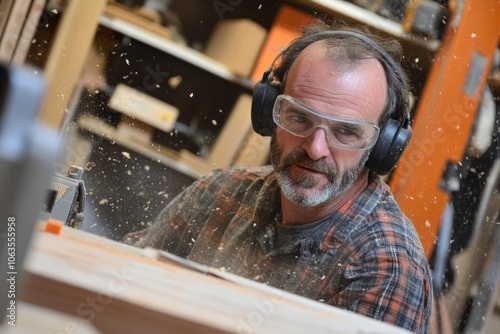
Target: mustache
[{"x": 301, "y": 159}]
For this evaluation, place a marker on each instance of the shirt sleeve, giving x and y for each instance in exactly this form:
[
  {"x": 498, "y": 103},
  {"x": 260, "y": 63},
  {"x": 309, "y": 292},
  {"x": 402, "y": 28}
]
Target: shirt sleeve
[
  {"x": 170, "y": 225},
  {"x": 387, "y": 285}
]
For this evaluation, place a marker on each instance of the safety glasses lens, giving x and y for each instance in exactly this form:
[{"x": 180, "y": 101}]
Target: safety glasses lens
[{"x": 300, "y": 120}]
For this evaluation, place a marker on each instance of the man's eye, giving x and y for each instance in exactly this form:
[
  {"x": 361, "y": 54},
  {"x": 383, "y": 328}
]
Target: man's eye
[
  {"x": 347, "y": 132},
  {"x": 299, "y": 119}
]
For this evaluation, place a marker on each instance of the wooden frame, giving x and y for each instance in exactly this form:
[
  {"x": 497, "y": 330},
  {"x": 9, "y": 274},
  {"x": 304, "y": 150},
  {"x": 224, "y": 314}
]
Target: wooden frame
[{"x": 67, "y": 57}]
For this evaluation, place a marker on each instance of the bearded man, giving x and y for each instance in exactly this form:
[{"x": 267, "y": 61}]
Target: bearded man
[{"x": 319, "y": 222}]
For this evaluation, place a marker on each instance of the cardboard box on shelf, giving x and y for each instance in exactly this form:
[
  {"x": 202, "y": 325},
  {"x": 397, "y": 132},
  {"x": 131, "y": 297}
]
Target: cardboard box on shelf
[
  {"x": 143, "y": 107},
  {"x": 236, "y": 43}
]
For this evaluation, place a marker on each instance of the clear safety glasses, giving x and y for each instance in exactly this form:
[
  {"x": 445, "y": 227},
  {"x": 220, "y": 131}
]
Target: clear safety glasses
[{"x": 300, "y": 120}]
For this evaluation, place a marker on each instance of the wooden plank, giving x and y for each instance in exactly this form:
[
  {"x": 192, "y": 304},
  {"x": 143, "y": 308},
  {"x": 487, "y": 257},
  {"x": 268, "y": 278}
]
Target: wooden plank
[
  {"x": 5, "y": 7},
  {"x": 67, "y": 56},
  {"x": 28, "y": 31},
  {"x": 174, "y": 48},
  {"x": 119, "y": 290},
  {"x": 119, "y": 11},
  {"x": 229, "y": 140},
  {"x": 157, "y": 152},
  {"x": 13, "y": 29}
]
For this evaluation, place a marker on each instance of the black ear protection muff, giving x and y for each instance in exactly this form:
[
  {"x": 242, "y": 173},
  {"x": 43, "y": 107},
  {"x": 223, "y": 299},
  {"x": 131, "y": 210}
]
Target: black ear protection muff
[{"x": 394, "y": 135}]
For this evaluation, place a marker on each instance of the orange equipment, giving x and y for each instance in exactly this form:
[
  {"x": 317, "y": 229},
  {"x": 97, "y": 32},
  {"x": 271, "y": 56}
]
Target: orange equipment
[{"x": 445, "y": 115}]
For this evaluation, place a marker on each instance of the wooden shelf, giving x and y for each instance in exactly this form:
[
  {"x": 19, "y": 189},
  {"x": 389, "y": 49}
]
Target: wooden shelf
[
  {"x": 179, "y": 161},
  {"x": 364, "y": 16},
  {"x": 173, "y": 48},
  {"x": 160, "y": 38}
]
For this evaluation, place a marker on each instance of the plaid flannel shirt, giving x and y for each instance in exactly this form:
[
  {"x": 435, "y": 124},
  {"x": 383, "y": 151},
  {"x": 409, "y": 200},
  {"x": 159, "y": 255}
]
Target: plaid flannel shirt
[{"x": 366, "y": 257}]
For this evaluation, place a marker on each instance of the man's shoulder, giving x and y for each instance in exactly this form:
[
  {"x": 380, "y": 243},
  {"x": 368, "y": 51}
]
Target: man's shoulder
[
  {"x": 383, "y": 205},
  {"x": 386, "y": 224}
]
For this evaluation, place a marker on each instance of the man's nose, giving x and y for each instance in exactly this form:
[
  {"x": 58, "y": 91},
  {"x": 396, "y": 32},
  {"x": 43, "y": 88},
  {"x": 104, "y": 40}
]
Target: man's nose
[{"x": 316, "y": 144}]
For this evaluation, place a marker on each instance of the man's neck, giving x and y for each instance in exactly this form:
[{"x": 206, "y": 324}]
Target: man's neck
[{"x": 294, "y": 214}]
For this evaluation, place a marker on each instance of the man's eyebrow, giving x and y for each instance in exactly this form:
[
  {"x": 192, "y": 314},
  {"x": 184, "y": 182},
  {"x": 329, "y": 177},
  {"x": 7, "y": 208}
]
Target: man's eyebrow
[{"x": 298, "y": 110}]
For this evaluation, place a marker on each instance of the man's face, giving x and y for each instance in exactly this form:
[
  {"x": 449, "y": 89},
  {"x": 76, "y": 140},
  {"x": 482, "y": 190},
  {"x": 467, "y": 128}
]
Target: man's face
[
  {"x": 306, "y": 188},
  {"x": 309, "y": 169}
]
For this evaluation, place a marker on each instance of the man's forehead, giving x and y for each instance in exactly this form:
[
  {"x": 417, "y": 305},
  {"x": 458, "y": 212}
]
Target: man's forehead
[{"x": 358, "y": 91}]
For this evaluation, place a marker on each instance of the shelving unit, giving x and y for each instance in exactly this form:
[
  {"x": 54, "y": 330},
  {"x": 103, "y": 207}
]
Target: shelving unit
[
  {"x": 206, "y": 97},
  {"x": 209, "y": 91},
  {"x": 195, "y": 165},
  {"x": 155, "y": 152}
]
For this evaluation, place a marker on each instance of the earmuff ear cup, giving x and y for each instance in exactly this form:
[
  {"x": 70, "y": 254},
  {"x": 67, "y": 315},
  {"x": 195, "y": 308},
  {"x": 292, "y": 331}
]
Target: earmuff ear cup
[
  {"x": 391, "y": 143},
  {"x": 264, "y": 96}
]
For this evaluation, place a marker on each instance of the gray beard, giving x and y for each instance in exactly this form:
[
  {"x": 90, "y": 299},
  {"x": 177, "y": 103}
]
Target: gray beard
[{"x": 291, "y": 189}]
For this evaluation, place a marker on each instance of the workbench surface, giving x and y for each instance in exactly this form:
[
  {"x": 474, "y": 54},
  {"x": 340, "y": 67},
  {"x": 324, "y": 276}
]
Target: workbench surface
[{"x": 122, "y": 289}]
